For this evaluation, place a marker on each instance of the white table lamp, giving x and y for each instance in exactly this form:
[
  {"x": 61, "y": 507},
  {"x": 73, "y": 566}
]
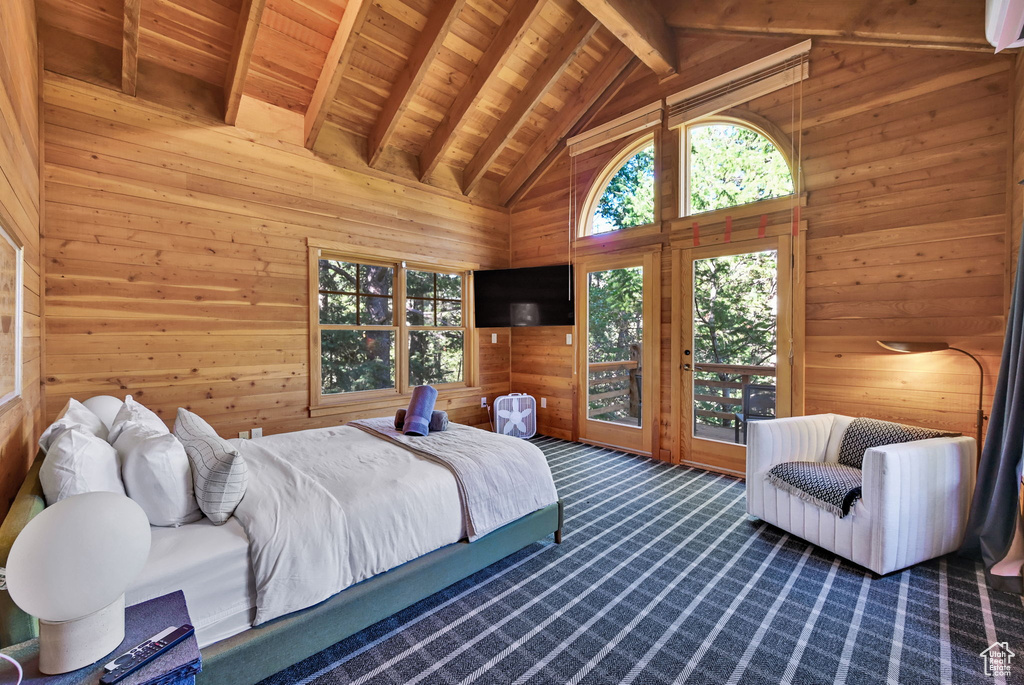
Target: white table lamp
[{"x": 70, "y": 567}]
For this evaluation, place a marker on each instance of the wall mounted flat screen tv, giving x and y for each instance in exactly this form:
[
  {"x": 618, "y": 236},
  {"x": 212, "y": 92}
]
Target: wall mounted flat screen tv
[{"x": 535, "y": 296}]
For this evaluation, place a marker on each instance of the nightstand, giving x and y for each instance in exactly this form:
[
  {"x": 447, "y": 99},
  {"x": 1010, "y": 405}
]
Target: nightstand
[{"x": 178, "y": 666}]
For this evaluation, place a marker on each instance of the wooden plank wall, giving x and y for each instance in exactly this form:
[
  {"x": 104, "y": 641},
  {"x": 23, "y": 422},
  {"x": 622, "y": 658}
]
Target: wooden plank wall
[
  {"x": 177, "y": 266},
  {"x": 20, "y": 215},
  {"x": 906, "y": 163},
  {"x": 1016, "y": 191}
]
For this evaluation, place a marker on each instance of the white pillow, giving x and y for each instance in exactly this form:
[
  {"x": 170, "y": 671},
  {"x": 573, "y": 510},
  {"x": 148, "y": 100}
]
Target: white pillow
[
  {"x": 74, "y": 415},
  {"x": 105, "y": 407},
  {"x": 79, "y": 462},
  {"x": 156, "y": 474},
  {"x": 133, "y": 412}
]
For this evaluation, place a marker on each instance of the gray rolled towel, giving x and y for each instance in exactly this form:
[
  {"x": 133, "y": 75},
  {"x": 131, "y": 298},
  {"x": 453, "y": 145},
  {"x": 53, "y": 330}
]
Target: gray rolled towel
[{"x": 438, "y": 420}]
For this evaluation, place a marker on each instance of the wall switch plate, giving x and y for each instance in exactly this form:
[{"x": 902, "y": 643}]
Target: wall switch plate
[
  {"x": 244, "y": 435},
  {"x": 494, "y": 338},
  {"x": 483, "y": 402},
  {"x": 568, "y": 338},
  {"x": 257, "y": 432},
  {"x": 543, "y": 403}
]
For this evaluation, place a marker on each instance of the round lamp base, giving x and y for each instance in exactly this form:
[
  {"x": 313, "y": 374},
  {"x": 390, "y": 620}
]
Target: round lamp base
[{"x": 69, "y": 645}]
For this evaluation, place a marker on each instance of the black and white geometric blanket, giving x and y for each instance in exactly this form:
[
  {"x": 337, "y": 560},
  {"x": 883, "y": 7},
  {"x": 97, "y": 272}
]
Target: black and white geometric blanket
[
  {"x": 863, "y": 434},
  {"x": 833, "y": 487}
]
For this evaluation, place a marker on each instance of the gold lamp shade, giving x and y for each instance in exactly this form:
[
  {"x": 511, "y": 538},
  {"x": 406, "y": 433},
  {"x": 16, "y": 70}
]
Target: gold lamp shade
[{"x": 894, "y": 346}]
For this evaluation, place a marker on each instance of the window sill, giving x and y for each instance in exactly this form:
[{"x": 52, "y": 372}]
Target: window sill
[
  {"x": 631, "y": 234},
  {"x": 392, "y": 400},
  {"x": 775, "y": 204}
]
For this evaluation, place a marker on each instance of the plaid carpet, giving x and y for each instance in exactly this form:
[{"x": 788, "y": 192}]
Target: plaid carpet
[{"x": 662, "y": 578}]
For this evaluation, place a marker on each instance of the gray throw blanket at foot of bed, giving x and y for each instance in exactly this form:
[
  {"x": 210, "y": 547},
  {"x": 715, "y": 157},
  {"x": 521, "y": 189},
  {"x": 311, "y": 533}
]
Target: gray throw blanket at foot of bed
[{"x": 500, "y": 478}]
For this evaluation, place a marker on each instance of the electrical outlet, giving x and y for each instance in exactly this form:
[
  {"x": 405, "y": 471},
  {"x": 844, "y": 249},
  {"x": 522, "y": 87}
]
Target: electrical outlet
[
  {"x": 244, "y": 435},
  {"x": 257, "y": 432},
  {"x": 568, "y": 338},
  {"x": 494, "y": 338},
  {"x": 483, "y": 402},
  {"x": 543, "y": 403}
]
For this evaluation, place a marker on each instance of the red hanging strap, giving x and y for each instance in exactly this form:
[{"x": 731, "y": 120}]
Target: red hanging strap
[
  {"x": 762, "y": 229},
  {"x": 696, "y": 233}
]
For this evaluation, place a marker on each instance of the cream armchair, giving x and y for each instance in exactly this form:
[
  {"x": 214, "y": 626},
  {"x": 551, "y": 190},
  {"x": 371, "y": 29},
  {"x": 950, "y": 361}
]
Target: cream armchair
[{"x": 914, "y": 502}]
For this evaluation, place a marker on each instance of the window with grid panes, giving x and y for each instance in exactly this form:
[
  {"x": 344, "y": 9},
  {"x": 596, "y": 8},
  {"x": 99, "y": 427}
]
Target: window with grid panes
[{"x": 364, "y": 342}]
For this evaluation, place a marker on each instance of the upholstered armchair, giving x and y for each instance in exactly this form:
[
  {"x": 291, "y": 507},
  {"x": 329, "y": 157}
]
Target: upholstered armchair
[{"x": 914, "y": 500}]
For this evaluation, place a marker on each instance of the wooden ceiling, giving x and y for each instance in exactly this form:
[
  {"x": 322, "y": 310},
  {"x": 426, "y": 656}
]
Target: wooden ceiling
[{"x": 479, "y": 91}]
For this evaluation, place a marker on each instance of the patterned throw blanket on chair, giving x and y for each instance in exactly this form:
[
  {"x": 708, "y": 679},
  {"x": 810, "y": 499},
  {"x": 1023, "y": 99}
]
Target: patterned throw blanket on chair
[{"x": 836, "y": 486}]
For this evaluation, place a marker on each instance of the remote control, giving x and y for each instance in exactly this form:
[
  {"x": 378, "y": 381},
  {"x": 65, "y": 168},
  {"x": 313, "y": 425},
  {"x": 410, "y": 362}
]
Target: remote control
[{"x": 144, "y": 652}]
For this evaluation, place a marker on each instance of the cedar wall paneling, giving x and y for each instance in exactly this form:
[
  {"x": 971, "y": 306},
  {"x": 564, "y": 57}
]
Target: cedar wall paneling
[
  {"x": 906, "y": 156},
  {"x": 20, "y": 215},
  {"x": 1016, "y": 191},
  {"x": 177, "y": 265}
]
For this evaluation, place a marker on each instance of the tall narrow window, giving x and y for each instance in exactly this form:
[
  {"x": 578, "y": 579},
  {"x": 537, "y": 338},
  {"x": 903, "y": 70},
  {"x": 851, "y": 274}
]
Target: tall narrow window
[
  {"x": 625, "y": 191},
  {"x": 729, "y": 165},
  {"x": 433, "y": 312},
  {"x": 357, "y": 327}
]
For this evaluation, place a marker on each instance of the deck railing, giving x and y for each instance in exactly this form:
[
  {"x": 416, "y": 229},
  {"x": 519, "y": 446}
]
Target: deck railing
[
  {"x": 619, "y": 384},
  {"x": 725, "y": 389}
]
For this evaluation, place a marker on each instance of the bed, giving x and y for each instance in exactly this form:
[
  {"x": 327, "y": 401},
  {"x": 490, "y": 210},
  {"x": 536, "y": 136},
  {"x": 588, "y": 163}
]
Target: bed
[{"x": 405, "y": 516}]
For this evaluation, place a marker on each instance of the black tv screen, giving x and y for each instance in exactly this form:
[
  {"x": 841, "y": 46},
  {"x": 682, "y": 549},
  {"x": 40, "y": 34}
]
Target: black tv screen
[{"x": 535, "y": 296}]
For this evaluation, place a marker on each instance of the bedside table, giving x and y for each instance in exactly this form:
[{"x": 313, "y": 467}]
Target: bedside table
[{"x": 177, "y": 666}]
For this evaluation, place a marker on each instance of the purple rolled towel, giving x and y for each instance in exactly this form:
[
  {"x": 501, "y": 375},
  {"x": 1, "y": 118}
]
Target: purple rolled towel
[
  {"x": 417, "y": 416},
  {"x": 438, "y": 420}
]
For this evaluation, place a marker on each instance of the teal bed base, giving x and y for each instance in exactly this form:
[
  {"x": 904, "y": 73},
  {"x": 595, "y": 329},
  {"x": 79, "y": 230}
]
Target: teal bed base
[{"x": 257, "y": 653}]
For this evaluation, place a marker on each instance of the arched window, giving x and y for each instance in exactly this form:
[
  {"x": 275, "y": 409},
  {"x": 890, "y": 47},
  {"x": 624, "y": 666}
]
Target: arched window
[
  {"x": 730, "y": 164},
  {"x": 624, "y": 194}
]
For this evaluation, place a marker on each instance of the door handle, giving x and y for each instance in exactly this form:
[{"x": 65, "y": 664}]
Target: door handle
[{"x": 686, "y": 367}]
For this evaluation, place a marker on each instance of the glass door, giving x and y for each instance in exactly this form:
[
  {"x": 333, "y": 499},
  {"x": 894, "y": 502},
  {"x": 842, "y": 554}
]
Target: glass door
[
  {"x": 736, "y": 338},
  {"x": 615, "y": 351}
]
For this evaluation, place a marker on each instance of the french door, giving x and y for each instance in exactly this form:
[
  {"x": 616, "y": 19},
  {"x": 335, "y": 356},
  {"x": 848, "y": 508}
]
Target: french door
[
  {"x": 732, "y": 348},
  {"x": 618, "y": 307}
]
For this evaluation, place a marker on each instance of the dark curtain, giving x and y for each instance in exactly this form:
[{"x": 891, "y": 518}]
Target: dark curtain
[{"x": 994, "y": 512}]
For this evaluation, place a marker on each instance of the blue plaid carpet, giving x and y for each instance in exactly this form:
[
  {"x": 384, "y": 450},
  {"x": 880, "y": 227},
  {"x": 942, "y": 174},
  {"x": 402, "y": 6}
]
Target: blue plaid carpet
[{"x": 662, "y": 578}]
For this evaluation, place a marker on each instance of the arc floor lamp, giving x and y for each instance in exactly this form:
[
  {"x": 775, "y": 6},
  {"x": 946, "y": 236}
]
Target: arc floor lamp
[{"x": 915, "y": 347}]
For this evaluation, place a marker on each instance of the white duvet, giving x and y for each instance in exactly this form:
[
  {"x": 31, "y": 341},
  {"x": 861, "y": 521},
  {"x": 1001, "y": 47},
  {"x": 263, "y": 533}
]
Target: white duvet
[{"x": 329, "y": 507}]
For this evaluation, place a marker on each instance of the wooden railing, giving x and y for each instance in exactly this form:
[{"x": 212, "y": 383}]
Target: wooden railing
[
  {"x": 727, "y": 394},
  {"x": 625, "y": 392}
]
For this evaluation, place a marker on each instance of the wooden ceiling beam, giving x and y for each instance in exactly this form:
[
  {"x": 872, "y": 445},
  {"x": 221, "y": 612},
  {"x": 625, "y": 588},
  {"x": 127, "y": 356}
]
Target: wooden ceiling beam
[
  {"x": 946, "y": 24},
  {"x": 249, "y": 17},
  {"x": 130, "y": 46},
  {"x": 334, "y": 68},
  {"x": 509, "y": 35},
  {"x": 428, "y": 45},
  {"x": 641, "y": 28},
  {"x": 582, "y": 30},
  {"x": 598, "y": 88}
]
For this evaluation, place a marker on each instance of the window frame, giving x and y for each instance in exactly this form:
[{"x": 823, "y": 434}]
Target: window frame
[
  {"x": 320, "y": 403},
  {"x": 763, "y": 128},
  {"x": 631, "y": 148}
]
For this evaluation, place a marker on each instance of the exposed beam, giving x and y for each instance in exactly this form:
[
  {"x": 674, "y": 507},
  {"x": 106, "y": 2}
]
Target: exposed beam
[
  {"x": 582, "y": 29},
  {"x": 334, "y": 68},
  {"x": 249, "y": 17},
  {"x": 511, "y": 34},
  {"x": 642, "y": 29},
  {"x": 130, "y": 46},
  {"x": 439, "y": 23},
  {"x": 949, "y": 24},
  {"x": 599, "y": 87}
]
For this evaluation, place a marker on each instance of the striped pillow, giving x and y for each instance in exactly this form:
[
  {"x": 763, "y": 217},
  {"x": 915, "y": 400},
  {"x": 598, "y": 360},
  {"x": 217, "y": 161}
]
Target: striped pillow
[{"x": 219, "y": 472}]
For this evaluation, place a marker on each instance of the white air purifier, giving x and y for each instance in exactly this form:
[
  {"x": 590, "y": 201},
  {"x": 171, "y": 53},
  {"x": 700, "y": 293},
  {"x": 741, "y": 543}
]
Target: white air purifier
[{"x": 516, "y": 415}]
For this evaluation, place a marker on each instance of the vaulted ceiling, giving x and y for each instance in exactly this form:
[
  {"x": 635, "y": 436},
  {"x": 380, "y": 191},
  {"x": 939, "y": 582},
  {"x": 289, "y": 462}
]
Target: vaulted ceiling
[{"x": 479, "y": 91}]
